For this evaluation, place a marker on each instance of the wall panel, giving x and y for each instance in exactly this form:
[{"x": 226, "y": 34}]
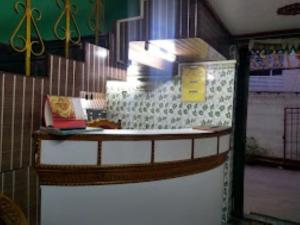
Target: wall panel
[
  {"x": 8, "y": 122},
  {"x": 16, "y": 146},
  {"x": 97, "y": 68},
  {"x": 27, "y": 148},
  {"x": 21, "y": 100}
]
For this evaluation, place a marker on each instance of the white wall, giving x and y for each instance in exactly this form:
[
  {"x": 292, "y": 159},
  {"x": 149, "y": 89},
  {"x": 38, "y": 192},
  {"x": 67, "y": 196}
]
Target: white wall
[
  {"x": 266, "y": 119},
  {"x": 289, "y": 81}
]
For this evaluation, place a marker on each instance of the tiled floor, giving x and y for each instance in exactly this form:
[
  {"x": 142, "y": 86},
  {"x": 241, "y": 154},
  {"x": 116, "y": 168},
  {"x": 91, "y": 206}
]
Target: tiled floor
[{"x": 273, "y": 191}]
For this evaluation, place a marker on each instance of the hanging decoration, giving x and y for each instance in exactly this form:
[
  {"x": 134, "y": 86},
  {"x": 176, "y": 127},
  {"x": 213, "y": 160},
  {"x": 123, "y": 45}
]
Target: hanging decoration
[
  {"x": 274, "y": 54},
  {"x": 96, "y": 16},
  {"x": 28, "y": 43},
  {"x": 67, "y": 29}
]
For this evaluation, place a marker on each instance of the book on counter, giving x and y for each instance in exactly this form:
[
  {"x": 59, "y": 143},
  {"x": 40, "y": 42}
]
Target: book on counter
[
  {"x": 66, "y": 132},
  {"x": 61, "y": 112}
]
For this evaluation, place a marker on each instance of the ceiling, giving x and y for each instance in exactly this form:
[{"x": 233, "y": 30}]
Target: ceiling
[
  {"x": 243, "y": 17},
  {"x": 239, "y": 16}
]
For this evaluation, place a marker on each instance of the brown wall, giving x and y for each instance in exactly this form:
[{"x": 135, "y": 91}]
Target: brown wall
[
  {"x": 21, "y": 106},
  {"x": 98, "y": 70},
  {"x": 21, "y": 185}
]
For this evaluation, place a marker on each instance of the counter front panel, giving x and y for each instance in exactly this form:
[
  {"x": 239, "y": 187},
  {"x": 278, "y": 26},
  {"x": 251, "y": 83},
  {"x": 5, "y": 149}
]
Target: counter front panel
[
  {"x": 126, "y": 156},
  {"x": 132, "y": 177}
]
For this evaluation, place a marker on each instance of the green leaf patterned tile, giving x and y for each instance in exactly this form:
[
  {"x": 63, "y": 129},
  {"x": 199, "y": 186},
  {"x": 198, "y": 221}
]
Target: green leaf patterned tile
[{"x": 163, "y": 108}]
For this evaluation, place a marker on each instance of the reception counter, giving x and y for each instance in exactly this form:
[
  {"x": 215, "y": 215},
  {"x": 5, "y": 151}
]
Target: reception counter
[{"x": 142, "y": 177}]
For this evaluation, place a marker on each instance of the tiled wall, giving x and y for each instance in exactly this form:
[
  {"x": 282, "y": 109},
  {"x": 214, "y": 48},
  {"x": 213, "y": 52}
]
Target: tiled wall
[{"x": 162, "y": 107}]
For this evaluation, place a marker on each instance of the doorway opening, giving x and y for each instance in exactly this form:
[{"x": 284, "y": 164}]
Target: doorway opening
[{"x": 272, "y": 151}]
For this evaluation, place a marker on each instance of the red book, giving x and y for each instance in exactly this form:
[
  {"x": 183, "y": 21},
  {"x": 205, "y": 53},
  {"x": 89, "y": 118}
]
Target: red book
[{"x": 64, "y": 112}]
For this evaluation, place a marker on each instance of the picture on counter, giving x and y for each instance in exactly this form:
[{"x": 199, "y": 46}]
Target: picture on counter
[
  {"x": 193, "y": 80},
  {"x": 63, "y": 112}
]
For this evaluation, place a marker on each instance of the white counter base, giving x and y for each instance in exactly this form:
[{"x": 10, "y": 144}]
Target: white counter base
[
  {"x": 132, "y": 177},
  {"x": 190, "y": 200}
]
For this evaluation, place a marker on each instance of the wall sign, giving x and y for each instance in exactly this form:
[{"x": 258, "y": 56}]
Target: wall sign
[{"x": 193, "y": 79}]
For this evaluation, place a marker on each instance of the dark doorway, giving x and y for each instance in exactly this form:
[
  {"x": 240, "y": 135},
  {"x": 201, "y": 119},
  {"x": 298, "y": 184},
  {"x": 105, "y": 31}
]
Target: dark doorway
[{"x": 266, "y": 186}]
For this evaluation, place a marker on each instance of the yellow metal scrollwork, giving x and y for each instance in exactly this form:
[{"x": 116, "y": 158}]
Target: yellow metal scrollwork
[
  {"x": 25, "y": 43},
  {"x": 95, "y": 17},
  {"x": 65, "y": 31}
]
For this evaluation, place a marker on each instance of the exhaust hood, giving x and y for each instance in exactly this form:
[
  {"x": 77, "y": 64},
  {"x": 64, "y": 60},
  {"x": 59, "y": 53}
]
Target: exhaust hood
[
  {"x": 158, "y": 53},
  {"x": 159, "y": 59}
]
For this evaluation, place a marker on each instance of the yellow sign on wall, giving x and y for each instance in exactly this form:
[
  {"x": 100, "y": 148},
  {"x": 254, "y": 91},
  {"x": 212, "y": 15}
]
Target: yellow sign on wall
[{"x": 193, "y": 80}]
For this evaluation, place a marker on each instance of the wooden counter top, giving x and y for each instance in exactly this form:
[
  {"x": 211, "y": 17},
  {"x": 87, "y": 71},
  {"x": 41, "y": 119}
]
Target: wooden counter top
[
  {"x": 128, "y": 156},
  {"x": 136, "y": 134}
]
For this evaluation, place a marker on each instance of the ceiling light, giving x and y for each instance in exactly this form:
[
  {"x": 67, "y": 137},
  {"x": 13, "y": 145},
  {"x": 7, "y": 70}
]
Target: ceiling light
[
  {"x": 133, "y": 69},
  {"x": 102, "y": 53},
  {"x": 159, "y": 52},
  {"x": 210, "y": 77}
]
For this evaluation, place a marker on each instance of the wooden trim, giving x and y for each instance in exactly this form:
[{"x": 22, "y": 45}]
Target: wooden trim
[
  {"x": 218, "y": 145},
  {"x": 37, "y": 152},
  {"x": 99, "y": 154},
  {"x": 152, "y": 151},
  {"x": 96, "y": 175},
  {"x": 193, "y": 149},
  {"x": 129, "y": 137},
  {"x": 104, "y": 123}
]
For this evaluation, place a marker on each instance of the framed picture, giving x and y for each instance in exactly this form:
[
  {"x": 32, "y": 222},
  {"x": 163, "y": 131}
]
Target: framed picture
[{"x": 193, "y": 82}]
